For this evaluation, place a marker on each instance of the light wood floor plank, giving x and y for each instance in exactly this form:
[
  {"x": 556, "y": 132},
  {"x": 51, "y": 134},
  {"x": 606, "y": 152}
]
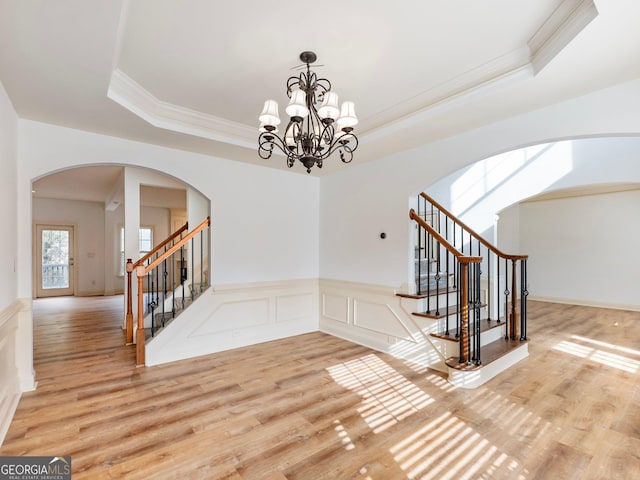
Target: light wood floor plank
[{"x": 317, "y": 407}]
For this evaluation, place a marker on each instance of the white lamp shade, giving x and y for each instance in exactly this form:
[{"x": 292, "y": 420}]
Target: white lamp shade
[
  {"x": 269, "y": 115},
  {"x": 290, "y": 134},
  {"x": 348, "y": 117},
  {"x": 298, "y": 105},
  {"x": 329, "y": 107}
]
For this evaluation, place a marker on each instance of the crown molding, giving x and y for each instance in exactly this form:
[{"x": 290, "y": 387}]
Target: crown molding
[
  {"x": 557, "y": 31},
  {"x": 132, "y": 96},
  {"x": 560, "y": 28},
  {"x": 474, "y": 84}
]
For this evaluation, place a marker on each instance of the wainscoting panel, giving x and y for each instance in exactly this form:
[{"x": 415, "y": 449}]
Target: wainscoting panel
[
  {"x": 374, "y": 316},
  {"x": 232, "y": 316},
  {"x": 335, "y": 307},
  {"x": 10, "y": 384},
  {"x": 290, "y": 308},
  {"x": 379, "y": 317}
]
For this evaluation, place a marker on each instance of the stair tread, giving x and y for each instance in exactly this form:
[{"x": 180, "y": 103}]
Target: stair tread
[
  {"x": 485, "y": 326},
  {"x": 490, "y": 353},
  {"x": 442, "y": 312},
  {"x": 431, "y": 293}
]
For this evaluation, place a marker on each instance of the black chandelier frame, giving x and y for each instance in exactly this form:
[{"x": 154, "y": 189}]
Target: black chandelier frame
[{"x": 312, "y": 139}]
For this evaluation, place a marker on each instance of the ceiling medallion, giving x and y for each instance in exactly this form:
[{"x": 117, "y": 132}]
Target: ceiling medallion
[{"x": 316, "y": 128}]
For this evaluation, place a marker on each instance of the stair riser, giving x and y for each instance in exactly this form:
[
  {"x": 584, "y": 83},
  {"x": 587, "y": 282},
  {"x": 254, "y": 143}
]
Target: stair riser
[{"x": 442, "y": 301}]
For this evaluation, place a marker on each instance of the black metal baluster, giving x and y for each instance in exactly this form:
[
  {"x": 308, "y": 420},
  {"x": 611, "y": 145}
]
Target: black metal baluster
[
  {"x": 446, "y": 233},
  {"x": 477, "y": 315},
  {"x": 488, "y": 285},
  {"x": 164, "y": 286},
  {"x": 429, "y": 267},
  {"x": 523, "y": 300},
  {"x": 183, "y": 273},
  {"x": 193, "y": 273},
  {"x": 498, "y": 289},
  {"x": 173, "y": 285},
  {"x": 201, "y": 260}
]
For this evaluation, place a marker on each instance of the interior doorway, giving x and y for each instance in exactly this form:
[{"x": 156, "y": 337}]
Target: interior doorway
[{"x": 54, "y": 260}]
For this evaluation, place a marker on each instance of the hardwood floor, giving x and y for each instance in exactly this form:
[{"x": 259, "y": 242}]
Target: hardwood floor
[{"x": 316, "y": 407}]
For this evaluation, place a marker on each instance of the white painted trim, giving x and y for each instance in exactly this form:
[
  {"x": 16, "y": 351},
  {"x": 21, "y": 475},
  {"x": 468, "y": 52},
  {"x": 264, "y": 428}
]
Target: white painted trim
[
  {"x": 10, "y": 387},
  {"x": 389, "y": 326},
  {"x": 135, "y": 98},
  {"x": 475, "y": 378},
  {"x": 562, "y": 26},
  {"x": 582, "y": 303},
  {"x": 476, "y": 84}
]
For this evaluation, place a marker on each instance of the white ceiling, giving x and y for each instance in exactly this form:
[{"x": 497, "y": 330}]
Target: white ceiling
[{"x": 193, "y": 74}]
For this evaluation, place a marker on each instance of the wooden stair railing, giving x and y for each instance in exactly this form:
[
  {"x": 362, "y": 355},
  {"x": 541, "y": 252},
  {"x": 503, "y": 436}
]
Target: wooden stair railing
[
  {"x": 130, "y": 267},
  {"x": 143, "y": 270},
  {"x": 464, "y": 262},
  {"x": 517, "y": 320}
]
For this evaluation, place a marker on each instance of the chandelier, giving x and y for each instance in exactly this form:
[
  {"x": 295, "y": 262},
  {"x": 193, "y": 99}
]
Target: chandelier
[{"x": 316, "y": 128}]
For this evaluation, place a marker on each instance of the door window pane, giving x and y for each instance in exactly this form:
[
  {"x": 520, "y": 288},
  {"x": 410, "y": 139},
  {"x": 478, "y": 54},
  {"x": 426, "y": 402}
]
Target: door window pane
[{"x": 55, "y": 259}]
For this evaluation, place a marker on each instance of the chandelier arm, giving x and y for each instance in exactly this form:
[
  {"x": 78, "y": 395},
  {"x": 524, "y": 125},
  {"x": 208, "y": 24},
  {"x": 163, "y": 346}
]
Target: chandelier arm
[
  {"x": 293, "y": 81},
  {"x": 347, "y": 142},
  {"x": 267, "y": 141}
]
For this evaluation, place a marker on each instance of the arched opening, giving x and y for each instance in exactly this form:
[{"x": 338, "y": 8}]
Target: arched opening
[
  {"x": 568, "y": 204},
  {"x": 110, "y": 213}
]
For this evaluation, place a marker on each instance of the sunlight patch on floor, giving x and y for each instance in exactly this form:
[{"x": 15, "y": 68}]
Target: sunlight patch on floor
[
  {"x": 388, "y": 397},
  {"x": 447, "y": 448},
  {"x": 600, "y": 355}
]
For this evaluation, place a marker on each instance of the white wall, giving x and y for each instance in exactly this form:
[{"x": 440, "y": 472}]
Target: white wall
[
  {"x": 360, "y": 201},
  {"x": 582, "y": 250},
  {"x": 266, "y": 220},
  {"x": 8, "y": 216}
]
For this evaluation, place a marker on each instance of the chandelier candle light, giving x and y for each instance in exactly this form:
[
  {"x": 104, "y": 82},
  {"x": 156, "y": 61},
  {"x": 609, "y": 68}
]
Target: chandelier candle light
[{"x": 313, "y": 132}]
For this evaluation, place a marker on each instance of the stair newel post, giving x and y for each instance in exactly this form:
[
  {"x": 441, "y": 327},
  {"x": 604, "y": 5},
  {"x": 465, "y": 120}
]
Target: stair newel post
[
  {"x": 478, "y": 273},
  {"x": 506, "y": 298},
  {"x": 429, "y": 267},
  {"x": 140, "y": 272},
  {"x": 464, "y": 323},
  {"x": 418, "y": 249},
  {"x": 129, "y": 316},
  {"x": 513, "y": 324},
  {"x": 524, "y": 292}
]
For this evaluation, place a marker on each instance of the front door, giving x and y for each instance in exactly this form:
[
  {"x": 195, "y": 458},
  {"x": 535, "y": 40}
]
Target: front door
[{"x": 54, "y": 258}]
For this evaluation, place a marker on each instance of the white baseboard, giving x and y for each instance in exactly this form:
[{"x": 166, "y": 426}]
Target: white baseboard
[
  {"x": 584, "y": 303},
  {"x": 9, "y": 372}
]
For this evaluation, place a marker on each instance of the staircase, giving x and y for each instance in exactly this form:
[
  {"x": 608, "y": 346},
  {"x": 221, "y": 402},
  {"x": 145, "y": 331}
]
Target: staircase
[
  {"x": 470, "y": 297},
  {"x": 164, "y": 307},
  {"x": 170, "y": 279}
]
